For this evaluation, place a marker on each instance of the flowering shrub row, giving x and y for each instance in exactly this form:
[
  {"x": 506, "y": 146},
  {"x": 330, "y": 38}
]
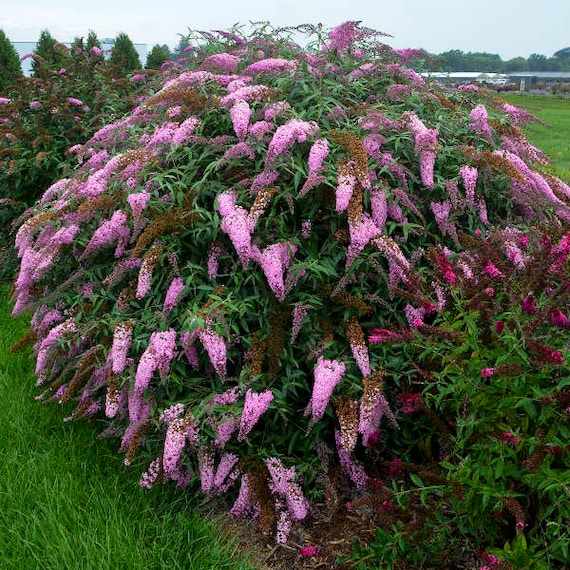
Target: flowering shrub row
[
  {"x": 41, "y": 117},
  {"x": 290, "y": 272}
]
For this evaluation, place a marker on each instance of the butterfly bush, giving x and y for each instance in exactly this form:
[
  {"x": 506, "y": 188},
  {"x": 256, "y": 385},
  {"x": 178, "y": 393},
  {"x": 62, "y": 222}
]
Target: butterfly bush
[{"x": 285, "y": 240}]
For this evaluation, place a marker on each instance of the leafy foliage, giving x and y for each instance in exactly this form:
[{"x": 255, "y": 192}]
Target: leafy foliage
[{"x": 281, "y": 276}]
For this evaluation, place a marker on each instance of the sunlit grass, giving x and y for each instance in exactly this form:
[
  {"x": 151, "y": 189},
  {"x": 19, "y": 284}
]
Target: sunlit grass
[
  {"x": 68, "y": 502},
  {"x": 554, "y": 138}
]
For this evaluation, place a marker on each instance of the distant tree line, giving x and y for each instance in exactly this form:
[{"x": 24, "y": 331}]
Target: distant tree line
[
  {"x": 126, "y": 58},
  {"x": 457, "y": 60}
]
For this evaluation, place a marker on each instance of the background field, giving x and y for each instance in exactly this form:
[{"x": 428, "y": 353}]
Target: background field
[{"x": 554, "y": 137}]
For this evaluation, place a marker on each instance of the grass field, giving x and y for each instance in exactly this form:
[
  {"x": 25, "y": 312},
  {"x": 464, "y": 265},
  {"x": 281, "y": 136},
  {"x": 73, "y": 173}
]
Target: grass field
[
  {"x": 67, "y": 502},
  {"x": 554, "y": 137}
]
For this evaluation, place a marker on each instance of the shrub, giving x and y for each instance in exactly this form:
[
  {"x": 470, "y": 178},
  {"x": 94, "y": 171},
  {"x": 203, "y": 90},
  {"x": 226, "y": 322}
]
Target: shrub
[{"x": 281, "y": 275}]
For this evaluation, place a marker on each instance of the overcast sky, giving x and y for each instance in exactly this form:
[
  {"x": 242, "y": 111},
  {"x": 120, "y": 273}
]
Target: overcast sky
[{"x": 508, "y": 27}]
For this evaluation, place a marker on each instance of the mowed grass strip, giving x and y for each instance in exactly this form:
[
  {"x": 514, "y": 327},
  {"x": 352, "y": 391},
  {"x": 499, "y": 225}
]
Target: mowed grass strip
[
  {"x": 68, "y": 502},
  {"x": 553, "y": 138}
]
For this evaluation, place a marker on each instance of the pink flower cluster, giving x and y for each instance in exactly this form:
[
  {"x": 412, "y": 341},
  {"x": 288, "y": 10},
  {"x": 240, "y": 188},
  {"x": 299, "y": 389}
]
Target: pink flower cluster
[
  {"x": 237, "y": 224},
  {"x": 282, "y": 483},
  {"x": 299, "y": 313},
  {"x": 274, "y": 260},
  {"x": 286, "y": 135},
  {"x": 469, "y": 176},
  {"x": 110, "y": 231},
  {"x": 346, "y": 180},
  {"x": 372, "y": 409},
  {"x": 160, "y": 351},
  {"x": 173, "y": 296},
  {"x": 559, "y": 319},
  {"x": 354, "y": 470},
  {"x": 122, "y": 336},
  {"x": 138, "y": 202},
  {"x": 327, "y": 375},
  {"x": 148, "y": 478},
  {"x": 518, "y": 115},
  {"x": 51, "y": 339},
  {"x": 492, "y": 271},
  {"x": 216, "y": 348},
  {"x": 508, "y": 437},
  {"x": 479, "y": 123},
  {"x": 256, "y": 404},
  {"x": 225, "y": 61},
  {"x": 174, "y": 443},
  {"x": 342, "y": 37},
  {"x": 240, "y": 114},
  {"x": 441, "y": 211},
  {"x": 272, "y": 65},
  {"x": 426, "y": 147}
]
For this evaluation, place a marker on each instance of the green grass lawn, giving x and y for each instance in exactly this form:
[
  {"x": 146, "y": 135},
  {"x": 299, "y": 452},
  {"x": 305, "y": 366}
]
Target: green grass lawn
[
  {"x": 68, "y": 502},
  {"x": 554, "y": 138}
]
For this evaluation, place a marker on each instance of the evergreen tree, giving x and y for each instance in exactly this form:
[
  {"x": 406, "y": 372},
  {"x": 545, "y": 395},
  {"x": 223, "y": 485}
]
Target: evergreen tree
[
  {"x": 124, "y": 54},
  {"x": 92, "y": 40},
  {"x": 157, "y": 56},
  {"x": 10, "y": 67},
  {"x": 78, "y": 44},
  {"x": 47, "y": 52},
  {"x": 178, "y": 52}
]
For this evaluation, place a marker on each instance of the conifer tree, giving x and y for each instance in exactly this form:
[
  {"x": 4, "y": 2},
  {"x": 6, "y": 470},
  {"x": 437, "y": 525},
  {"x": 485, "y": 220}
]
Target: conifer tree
[
  {"x": 157, "y": 56},
  {"x": 46, "y": 51},
  {"x": 94, "y": 42},
  {"x": 124, "y": 54},
  {"x": 10, "y": 67}
]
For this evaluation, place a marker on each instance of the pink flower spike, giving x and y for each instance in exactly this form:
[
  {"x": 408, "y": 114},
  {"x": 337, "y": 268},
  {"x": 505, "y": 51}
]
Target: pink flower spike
[
  {"x": 319, "y": 151},
  {"x": 256, "y": 404},
  {"x": 487, "y": 372},
  {"x": 240, "y": 114},
  {"x": 469, "y": 176},
  {"x": 121, "y": 344},
  {"x": 508, "y": 437},
  {"x": 174, "y": 443},
  {"x": 173, "y": 296},
  {"x": 328, "y": 374},
  {"x": 274, "y": 260},
  {"x": 344, "y": 190},
  {"x": 216, "y": 348},
  {"x": 286, "y": 135}
]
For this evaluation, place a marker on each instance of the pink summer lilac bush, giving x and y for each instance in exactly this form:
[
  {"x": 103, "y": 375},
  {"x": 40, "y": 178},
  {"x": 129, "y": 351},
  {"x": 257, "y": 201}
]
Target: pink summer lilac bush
[{"x": 340, "y": 263}]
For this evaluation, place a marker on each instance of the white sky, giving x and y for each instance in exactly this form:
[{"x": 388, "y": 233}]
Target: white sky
[{"x": 508, "y": 27}]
